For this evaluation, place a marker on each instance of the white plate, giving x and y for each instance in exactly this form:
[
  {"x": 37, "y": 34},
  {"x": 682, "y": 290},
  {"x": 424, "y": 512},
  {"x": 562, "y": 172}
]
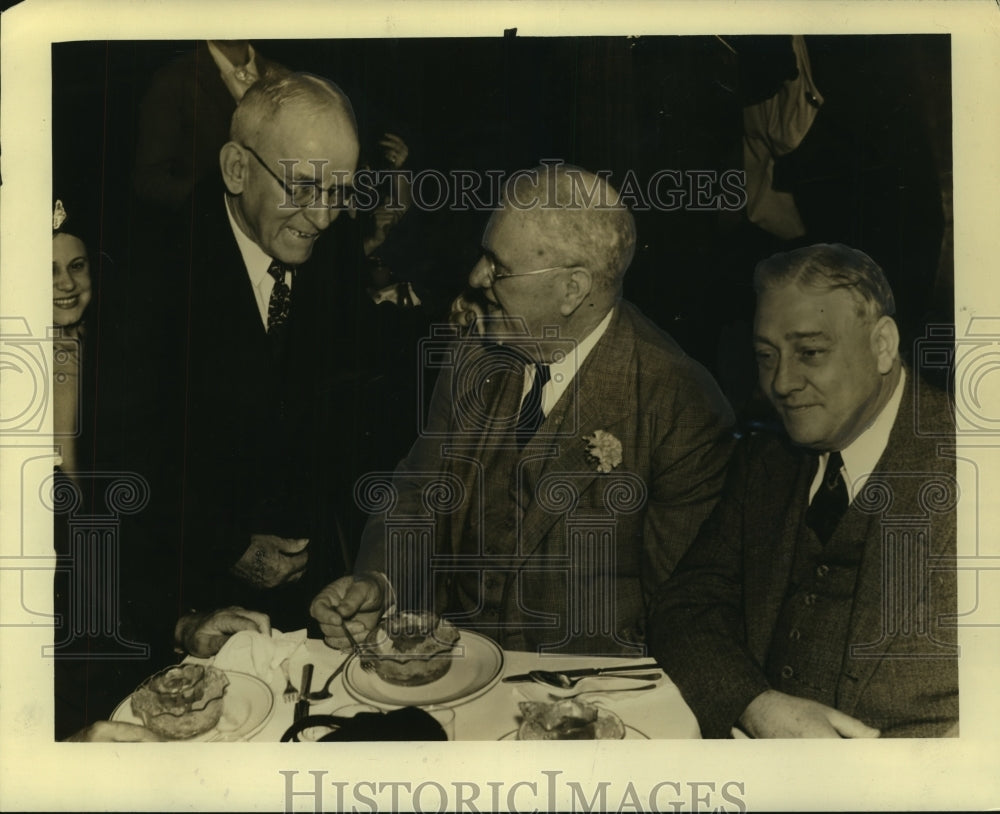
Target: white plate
[
  {"x": 246, "y": 706},
  {"x": 477, "y": 667},
  {"x": 631, "y": 734}
]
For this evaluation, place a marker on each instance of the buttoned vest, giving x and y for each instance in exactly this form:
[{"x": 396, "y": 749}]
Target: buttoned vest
[{"x": 807, "y": 648}]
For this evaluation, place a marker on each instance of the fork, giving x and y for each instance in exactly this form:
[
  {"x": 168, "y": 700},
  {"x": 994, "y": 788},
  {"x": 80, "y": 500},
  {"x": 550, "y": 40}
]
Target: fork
[
  {"x": 291, "y": 693},
  {"x": 366, "y": 664}
]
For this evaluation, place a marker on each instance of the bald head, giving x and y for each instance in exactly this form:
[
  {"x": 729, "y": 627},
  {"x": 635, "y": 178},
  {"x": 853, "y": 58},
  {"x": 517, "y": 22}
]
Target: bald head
[
  {"x": 290, "y": 132},
  {"x": 279, "y": 91},
  {"x": 580, "y": 215}
]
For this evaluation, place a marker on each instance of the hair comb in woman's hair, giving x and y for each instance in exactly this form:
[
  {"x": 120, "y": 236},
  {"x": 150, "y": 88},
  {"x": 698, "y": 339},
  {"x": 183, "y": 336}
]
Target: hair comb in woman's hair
[{"x": 58, "y": 216}]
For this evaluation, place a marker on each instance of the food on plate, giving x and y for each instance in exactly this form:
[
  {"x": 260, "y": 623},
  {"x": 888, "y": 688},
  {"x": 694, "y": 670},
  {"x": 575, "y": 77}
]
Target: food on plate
[
  {"x": 411, "y": 648},
  {"x": 181, "y": 701},
  {"x": 568, "y": 719}
]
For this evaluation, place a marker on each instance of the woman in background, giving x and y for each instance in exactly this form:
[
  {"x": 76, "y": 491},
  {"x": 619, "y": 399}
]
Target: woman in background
[{"x": 72, "y": 290}]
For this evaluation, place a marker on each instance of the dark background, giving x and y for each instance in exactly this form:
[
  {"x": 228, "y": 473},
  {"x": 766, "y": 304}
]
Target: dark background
[{"x": 874, "y": 171}]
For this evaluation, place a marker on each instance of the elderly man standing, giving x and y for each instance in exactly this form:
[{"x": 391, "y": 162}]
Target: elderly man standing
[
  {"x": 241, "y": 330},
  {"x": 566, "y": 464},
  {"x": 256, "y": 296},
  {"x": 816, "y": 600}
]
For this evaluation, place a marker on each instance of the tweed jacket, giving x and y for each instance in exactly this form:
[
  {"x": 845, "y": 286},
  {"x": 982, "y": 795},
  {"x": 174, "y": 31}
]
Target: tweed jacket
[
  {"x": 535, "y": 546},
  {"x": 712, "y": 624}
]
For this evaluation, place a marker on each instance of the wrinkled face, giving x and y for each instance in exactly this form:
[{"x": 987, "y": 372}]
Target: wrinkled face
[
  {"x": 326, "y": 149},
  {"x": 513, "y": 243},
  {"x": 818, "y": 364},
  {"x": 70, "y": 279}
]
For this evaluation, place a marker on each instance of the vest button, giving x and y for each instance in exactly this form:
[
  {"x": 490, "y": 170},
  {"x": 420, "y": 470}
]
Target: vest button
[
  {"x": 787, "y": 672},
  {"x": 822, "y": 571},
  {"x": 794, "y": 634}
]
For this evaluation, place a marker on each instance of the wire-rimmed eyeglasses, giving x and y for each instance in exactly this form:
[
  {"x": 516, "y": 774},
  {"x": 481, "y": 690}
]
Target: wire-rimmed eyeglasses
[
  {"x": 303, "y": 194},
  {"x": 502, "y": 274}
]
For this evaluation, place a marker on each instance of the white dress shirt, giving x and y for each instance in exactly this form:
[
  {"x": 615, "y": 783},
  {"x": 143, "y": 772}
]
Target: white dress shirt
[
  {"x": 257, "y": 263},
  {"x": 861, "y": 455},
  {"x": 562, "y": 373}
]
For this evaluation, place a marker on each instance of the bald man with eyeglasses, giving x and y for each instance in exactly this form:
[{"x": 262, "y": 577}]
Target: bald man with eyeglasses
[
  {"x": 569, "y": 455},
  {"x": 261, "y": 287}
]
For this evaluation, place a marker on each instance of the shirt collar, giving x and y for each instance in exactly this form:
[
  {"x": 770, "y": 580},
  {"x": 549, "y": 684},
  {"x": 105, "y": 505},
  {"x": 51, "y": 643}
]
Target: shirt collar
[
  {"x": 256, "y": 260},
  {"x": 572, "y": 361},
  {"x": 561, "y": 373},
  {"x": 863, "y": 453}
]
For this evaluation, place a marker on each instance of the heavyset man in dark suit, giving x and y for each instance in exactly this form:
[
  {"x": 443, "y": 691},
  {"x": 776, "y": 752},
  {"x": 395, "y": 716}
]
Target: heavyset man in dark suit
[
  {"x": 566, "y": 463},
  {"x": 818, "y": 599}
]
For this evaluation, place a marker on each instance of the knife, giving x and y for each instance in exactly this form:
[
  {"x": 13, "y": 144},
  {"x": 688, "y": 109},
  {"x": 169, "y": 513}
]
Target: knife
[
  {"x": 302, "y": 705},
  {"x": 592, "y": 671}
]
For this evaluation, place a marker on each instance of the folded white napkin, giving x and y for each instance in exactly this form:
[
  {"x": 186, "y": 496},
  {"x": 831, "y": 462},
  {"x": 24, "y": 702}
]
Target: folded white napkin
[{"x": 251, "y": 652}]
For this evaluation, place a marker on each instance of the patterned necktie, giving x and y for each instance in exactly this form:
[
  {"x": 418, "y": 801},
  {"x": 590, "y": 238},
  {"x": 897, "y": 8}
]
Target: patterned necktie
[
  {"x": 531, "y": 415},
  {"x": 281, "y": 297},
  {"x": 830, "y": 501}
]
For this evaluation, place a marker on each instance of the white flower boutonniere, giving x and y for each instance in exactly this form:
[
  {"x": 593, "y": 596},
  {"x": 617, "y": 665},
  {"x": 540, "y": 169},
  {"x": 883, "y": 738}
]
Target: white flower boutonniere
[{"x": 604, "y": 448}]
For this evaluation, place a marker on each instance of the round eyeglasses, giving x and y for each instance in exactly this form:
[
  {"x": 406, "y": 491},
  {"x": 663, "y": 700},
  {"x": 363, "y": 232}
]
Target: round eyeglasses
[{"x": 301, "y": 194}]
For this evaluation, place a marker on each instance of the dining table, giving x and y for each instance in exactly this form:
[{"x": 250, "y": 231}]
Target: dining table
[{"x": 484, "y": 707}]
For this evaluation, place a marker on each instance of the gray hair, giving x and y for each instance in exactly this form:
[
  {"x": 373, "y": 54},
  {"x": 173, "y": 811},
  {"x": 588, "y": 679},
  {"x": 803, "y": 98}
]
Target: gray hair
[
  {"x": 583, "y": 213},
  {"x": 279, "y": 88},
  {"x": 831, "y": 265}
]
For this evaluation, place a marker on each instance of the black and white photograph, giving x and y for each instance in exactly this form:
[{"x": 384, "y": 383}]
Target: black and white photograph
[{"x": 423, "y": 383}]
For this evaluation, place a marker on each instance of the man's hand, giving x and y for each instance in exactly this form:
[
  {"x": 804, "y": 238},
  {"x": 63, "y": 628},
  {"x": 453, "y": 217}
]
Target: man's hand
[
  {"x": 113, "y": 732},
  {"x": 466, "y": 311},
  {"x": 774, "y": 714},
  {"x": 203, "y": 634},
  {"x": 355, "y": 602},
  {"x": 394, "y": 150},
  {"x": 270, "y": 561}
]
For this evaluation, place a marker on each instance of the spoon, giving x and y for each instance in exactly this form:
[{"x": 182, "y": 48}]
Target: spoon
[{"x": 565, "y": 682}]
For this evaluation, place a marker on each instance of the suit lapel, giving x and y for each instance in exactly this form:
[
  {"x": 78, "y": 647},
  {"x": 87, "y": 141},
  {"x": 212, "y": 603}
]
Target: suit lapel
[
  {"x": 782, "y": 492},
  {"x": 593, "y": 401},
  {"x": 868, "y": 623},
  {"x": 487, "y": 383},
  {"x": 228, "y": 301}
]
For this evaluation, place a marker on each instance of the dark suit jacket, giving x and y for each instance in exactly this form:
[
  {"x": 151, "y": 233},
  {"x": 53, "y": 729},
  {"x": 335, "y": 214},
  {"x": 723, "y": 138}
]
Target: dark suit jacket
[
  {"x": 542, "y": 531},
  {"x": 186, "y": 391},
  {"x": 711, "y": 625},
  {"x": 254, "y": 436}
]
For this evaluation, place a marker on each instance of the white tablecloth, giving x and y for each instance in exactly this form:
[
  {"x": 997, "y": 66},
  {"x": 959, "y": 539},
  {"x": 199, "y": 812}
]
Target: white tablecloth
[{"x": 656, "y": 713}]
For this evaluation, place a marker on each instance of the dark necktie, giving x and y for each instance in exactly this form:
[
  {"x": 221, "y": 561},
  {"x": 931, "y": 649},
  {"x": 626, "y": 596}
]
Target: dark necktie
[
  {"x": 830, "y": 501},
  {"x": 530, "y": 418},
  {"x": 281, "y": 298}
]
